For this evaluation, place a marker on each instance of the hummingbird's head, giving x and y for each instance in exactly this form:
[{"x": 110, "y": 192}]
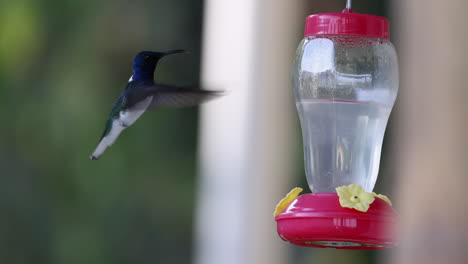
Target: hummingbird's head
[{"x": 145, "y": 62}]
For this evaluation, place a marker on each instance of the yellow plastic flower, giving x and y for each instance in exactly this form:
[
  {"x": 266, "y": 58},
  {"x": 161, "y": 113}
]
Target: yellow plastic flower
[
  {"x": 287, "y": 200},
  {"x": 383, "y": 197},
  {"x": 355, "y": 197}
]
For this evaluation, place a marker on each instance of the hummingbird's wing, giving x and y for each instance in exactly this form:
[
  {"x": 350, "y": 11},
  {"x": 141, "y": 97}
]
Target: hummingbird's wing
[{"x": 173, "y": 96}]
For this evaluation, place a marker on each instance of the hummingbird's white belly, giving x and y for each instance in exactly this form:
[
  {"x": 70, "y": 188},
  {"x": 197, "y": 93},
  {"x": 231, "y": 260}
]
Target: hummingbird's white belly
[
  {"x": 125, "y": 119},
  {"x": 129, "y": 116}
]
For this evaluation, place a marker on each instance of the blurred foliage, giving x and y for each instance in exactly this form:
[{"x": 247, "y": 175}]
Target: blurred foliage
[{"x": 62, "y": 66}]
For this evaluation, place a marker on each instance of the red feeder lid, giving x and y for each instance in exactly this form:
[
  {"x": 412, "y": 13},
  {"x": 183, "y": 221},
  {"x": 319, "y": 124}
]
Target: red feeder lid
[{"x": 347, "y": 24}]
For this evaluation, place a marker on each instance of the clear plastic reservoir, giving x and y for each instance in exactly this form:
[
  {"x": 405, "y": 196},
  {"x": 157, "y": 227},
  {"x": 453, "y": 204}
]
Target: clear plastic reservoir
[{"x": 345, "y": 87}]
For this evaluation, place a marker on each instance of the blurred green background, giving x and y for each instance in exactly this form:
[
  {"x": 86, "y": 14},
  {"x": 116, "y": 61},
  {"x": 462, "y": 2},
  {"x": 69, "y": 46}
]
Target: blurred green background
[{"x": 62, "y": 66}]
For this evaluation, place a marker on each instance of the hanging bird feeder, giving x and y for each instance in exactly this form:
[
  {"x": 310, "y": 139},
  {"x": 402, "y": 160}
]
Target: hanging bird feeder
[{"x": 345, "y": 82}]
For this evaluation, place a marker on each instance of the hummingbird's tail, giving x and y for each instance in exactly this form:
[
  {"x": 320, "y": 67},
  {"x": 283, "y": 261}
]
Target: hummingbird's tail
[{"x": 107, "y": 140}]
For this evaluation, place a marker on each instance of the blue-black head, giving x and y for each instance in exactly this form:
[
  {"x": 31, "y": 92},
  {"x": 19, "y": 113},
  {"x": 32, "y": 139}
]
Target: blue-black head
[{"x": 145, "y": 63}]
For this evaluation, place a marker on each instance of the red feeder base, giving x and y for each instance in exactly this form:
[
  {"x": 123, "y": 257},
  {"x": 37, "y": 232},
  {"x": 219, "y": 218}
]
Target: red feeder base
[{"x": 318, "y": 220}]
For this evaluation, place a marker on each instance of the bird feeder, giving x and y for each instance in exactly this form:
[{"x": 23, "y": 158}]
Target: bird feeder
[{"x": 345, "y": 81}]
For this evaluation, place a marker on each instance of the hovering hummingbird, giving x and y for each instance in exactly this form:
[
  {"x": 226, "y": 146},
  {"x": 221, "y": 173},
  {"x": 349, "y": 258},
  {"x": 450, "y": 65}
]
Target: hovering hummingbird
[{"x": 142, "y": 94}]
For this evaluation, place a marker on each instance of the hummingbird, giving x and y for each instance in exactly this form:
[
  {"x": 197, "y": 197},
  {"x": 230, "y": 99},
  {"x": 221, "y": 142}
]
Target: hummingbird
[{"x": 142, "y": 94}]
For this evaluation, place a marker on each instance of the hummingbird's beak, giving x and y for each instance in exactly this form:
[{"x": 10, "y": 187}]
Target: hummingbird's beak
[{"x": 174, "y": 51}]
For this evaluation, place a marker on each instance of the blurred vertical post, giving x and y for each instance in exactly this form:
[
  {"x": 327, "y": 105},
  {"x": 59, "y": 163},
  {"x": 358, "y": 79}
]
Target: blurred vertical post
[
  {"x": 432, "y": 130},
  {"x": 246, "y": 137}
]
